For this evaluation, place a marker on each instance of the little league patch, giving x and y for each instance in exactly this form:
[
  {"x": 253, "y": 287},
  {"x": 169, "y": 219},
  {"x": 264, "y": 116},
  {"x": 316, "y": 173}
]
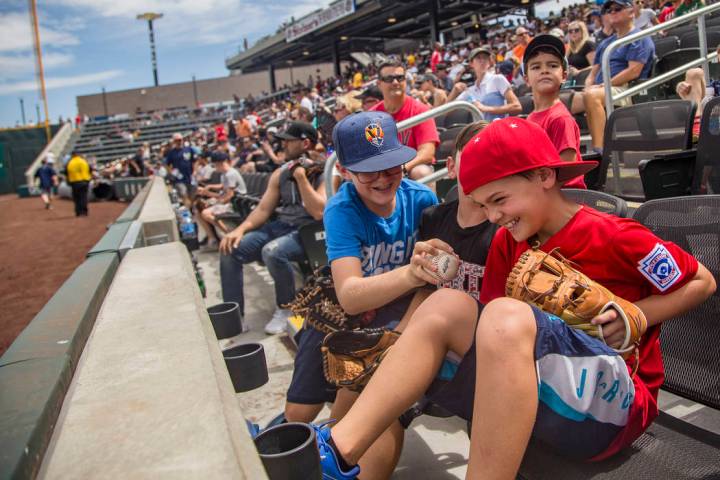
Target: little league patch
[{"x": 660, "y": 268}]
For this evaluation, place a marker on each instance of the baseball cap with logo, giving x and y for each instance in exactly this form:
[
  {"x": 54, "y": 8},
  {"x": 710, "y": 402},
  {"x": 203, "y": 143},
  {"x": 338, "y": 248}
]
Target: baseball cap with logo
[
  {"x": 368, "y": 142},
  {"x": 298, "y": 131},
  {"x": 509, "y": 146}
]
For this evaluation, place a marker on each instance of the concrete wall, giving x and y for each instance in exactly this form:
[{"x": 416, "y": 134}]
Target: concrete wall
[
  {"x": 181, "y": 94},
  {"x": 157, "y": 215}
]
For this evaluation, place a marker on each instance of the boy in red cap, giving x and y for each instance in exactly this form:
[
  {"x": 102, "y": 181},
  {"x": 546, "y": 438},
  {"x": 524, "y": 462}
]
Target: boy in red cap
[{"x": 536, "y": 375}]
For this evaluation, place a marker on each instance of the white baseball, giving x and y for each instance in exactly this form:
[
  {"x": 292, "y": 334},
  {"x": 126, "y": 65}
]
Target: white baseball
[{"x": 446, "y": 266}]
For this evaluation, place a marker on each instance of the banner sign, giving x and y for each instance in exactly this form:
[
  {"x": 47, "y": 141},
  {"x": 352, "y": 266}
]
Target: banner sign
[{"x": 317, "y": 20}]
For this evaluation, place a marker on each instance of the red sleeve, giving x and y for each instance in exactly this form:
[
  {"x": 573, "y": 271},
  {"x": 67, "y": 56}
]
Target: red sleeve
[
  {"x": 564, "y": 133},
  {"x": 498, "y": 266},
  {"x": 426, "y": 131},
  {"x": 642, "y": 256}
]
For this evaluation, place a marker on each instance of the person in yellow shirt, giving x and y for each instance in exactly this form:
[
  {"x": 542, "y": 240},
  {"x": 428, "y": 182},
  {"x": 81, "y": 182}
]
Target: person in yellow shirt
[
  {"x": 357, "y": 80},
  {"x": 78, "y": 177}
]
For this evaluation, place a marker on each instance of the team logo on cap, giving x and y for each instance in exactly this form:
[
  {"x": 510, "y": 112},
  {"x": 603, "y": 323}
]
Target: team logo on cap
[{"x": 374, "y": 134}]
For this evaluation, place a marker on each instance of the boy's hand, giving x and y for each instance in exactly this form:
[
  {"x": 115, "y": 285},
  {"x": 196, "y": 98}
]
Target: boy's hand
[
  {"x": 613, "y": 327},
  {"x": 459, "y": 87},
  {"x": 683, "y": 89},
  {"x": 420, "y": 260}
]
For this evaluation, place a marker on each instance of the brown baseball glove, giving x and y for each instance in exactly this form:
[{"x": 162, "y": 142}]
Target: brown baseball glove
[
  {"x": 351, "y": 357},
  {"x": 550, "y": 282},
  {"x": 318, "y": 304}
]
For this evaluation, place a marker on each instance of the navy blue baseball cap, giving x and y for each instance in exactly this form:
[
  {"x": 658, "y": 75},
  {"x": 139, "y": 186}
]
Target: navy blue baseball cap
[{"x": 368, "y": 142}]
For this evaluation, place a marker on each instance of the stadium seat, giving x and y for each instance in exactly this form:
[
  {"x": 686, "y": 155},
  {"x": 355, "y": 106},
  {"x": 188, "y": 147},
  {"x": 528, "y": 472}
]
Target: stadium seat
[
  {"x": 635, "y": 133},
  {"x": 671, "y": 61},
  {"x": 447, "y": 143},
  {"x": 603, "y": 202},
  {"x": 665, "y": 45},
  {"x": 689, "y": 172},
  {"x": 671, "y": 447},
  {"x": 455, "y": 118},
  {"x": 692, "y": 39},
  {"x": 312, "y": 239}
]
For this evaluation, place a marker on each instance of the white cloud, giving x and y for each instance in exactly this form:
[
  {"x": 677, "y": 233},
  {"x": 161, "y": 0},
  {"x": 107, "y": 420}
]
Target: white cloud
[
  {"x": 16, "y": 34},
  {"x": 193, "y": 22},
  {"x": 59, "y": 82},
  {"x": 17, "y": 66}
]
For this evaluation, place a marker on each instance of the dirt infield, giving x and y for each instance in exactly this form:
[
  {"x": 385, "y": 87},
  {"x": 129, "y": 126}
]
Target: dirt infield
[{"x": 39, "y": 249}]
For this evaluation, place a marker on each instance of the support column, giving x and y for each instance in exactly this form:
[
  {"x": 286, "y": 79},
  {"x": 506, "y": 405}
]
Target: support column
[
  {"x": 336, "y": 58},
  {"x": 434, "y": 27},
  {"x": 271, "y": 73}
]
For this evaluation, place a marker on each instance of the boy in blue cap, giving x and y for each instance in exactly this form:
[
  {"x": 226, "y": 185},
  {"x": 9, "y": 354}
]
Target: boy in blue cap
[{"x": 371, "y": 227}]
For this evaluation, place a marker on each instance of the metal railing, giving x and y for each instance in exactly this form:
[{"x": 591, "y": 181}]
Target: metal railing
[
  {"x": 660, "y": 79},
  {"x": 404, "y": 125}
]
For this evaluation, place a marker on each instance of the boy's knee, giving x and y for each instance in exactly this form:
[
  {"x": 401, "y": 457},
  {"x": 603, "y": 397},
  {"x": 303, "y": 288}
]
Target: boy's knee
[
  {"x": 505, "y": 323},
  {"x": 445, "y": 308}
]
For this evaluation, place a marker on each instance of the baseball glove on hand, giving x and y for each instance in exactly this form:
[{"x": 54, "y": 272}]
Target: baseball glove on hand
[
  {"x": 318, "y": 304},
  {"x": 553, "y": 285},
  {"x": 351, "y": 357}
]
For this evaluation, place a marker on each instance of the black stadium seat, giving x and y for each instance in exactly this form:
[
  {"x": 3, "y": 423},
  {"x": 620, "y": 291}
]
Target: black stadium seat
[
  {"x": 692, "y": 39},
  {"x": 600, "y": 201},
  {"x": 665, "y": 45}
]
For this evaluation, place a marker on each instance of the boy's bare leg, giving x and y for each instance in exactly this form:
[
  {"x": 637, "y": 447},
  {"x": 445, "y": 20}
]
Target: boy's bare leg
[
  {"x": 380, "y": 460},
  {"x": 300, "y": 412},
  {"x": 445, "y": 322},
  {"x": 506, "y": 390},
  {"x": 693, "y": 86},
  {"x": 594, "y": 98},
  {"x": 206, "y": 224}
]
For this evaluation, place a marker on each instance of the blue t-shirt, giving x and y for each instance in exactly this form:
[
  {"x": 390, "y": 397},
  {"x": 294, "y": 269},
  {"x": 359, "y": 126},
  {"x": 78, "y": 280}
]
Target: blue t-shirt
[
  {"x": 381, "y": 244},
  {"x": 182, "y": 159},
  {"x": 642, "y": 51},
  {"x": 45, "y": 174}
]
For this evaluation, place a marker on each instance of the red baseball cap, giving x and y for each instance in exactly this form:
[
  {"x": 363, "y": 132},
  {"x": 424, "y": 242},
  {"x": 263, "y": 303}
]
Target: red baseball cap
[{"x": 509, "y": 146}]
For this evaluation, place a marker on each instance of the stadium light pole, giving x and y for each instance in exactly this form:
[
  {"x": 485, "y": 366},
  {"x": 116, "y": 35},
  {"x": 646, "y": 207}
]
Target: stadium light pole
[
  {"x": 22, "y": 110},
  {"x": 150, "y": 16}
]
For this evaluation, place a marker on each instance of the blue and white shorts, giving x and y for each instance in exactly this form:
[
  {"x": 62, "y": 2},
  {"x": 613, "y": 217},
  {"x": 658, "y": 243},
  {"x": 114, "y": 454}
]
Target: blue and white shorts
[{"x": 585, "y": 390}]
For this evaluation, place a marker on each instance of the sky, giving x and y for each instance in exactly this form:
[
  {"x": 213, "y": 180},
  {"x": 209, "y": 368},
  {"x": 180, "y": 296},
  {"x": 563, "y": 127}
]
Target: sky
[{"x": 91, "y": 44}]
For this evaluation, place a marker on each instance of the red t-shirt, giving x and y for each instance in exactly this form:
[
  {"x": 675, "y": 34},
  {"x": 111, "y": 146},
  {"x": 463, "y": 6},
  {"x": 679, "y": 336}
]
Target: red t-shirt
[
  {"x": 564, "y": 133},
  {"x": 630, "y": 261},
  {"x": 435, "y": 58},
  {"x": 419, "y": 134},
  {"x": 667, "y": 14}
]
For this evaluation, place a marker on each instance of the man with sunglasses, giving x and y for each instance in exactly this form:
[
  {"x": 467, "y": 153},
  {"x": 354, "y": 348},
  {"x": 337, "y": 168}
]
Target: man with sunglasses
[
  {"x": 424, "y": 137},
  {"x": 627, "y": 63}
]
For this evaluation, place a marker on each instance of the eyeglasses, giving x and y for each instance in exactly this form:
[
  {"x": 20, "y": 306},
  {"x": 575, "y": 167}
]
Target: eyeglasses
[
  {"x": 369, "y": 177},
  {"x": 392, "y": 78},
  {"x": 574, "y": 30}
]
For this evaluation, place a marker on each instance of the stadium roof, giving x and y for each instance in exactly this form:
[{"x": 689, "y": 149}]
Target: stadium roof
[{"x": 366, "y": 30}]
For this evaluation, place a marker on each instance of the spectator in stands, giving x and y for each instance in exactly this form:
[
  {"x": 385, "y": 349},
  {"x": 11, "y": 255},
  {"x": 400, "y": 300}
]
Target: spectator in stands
[
  {"x": 357, "y": 80},
  {"x": 668, "y": 12},
  {"x": 345, "y": 105},
  {"x": 47, "y": 179},
  {"x": 545, "y": 68},
  {"x": 436, "y": 57},
  {"x": 644, "y": 17},
  {"x": 180, "y": 159},
  {"x": 523, "y": 38},
  {"x": 231, "y": 184},
  {"x": 136, "y": 163},
  {"x": 305, "y": 101},
  {"x": 446, "y": 82},
  {"x": 243, "y": 128},
  {"x": 491, "y": 92},
  {"x": 78, "y": 174},
  {"x": 687, "y": 6},
  {"x": 627, "y": 63},
  {"x": 581, "y": 50},
  {"x": 606, "y": 29},
  {"x": 296, "y": 194},
  {"x": 430, "y": 92},
  {"x": 423, "y": 137},
  {"x": 370, "y": 97},
  {"x": 693, "y": 88}
]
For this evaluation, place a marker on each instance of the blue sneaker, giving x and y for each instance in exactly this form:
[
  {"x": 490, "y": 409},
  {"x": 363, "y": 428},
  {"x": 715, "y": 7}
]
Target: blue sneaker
[{"x": 328, "y": 457}]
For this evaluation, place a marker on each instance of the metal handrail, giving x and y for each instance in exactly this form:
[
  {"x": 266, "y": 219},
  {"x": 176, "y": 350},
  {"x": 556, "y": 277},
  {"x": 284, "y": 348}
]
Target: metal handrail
[
  {"x": 703, "y": 59},
  {"x": 404, "y": 125}
]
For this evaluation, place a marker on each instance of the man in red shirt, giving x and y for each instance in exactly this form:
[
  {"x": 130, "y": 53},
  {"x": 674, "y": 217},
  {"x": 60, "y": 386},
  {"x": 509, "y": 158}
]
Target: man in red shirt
[
  {"x": 524, "y": 371},
  {"x": 436, "y": 57},
  {"x": 423, "y": 137}
]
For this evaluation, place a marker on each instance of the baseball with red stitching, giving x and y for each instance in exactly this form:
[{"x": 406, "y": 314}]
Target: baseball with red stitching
[{"x": 446, "y": 266}]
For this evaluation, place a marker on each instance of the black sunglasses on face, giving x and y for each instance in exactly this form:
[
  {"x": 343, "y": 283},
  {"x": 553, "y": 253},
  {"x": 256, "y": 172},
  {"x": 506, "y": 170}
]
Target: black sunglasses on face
[
  {"x": 391, "y": 78},
  {"x": 574, "y": 30},
  {"x": 614, "y": 9}
]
